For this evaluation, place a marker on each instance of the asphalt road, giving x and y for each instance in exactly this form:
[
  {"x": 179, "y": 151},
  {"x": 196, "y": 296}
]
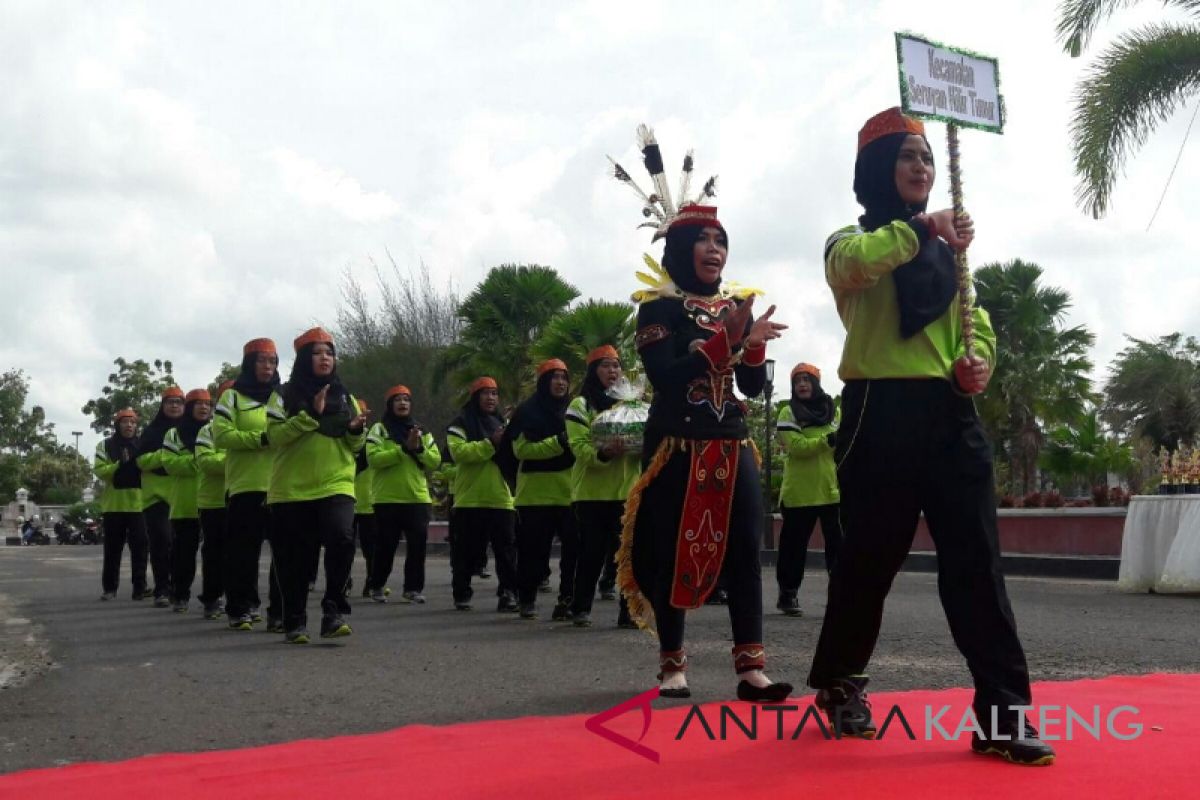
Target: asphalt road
[{"x": 82, "y": 680}]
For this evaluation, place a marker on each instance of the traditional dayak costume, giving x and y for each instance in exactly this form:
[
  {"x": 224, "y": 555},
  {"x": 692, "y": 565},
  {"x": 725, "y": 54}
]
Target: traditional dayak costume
[
  {"x": 121, "y": 509},
  {"x": 698, "y": 504},
  {"x": 911, "y": 443},
  {"x": 806, "y": 429}
]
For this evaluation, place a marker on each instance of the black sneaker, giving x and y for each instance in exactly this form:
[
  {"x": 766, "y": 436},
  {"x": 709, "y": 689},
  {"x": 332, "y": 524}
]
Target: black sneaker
[
  {"x": 462, "y": 605},
  {"x": 180, "y": 607},
  {"x": 719, "y": 597},
  {"x": 544, "y": 586},
  {"x": 789, "y": 604},
  {"x": 296, "y": 636},
  {"x": 108, "y": 596},
  {"x": 240, "y": 623},
  {"x": 256, "y": 616},
  {"x": 1023, "y": 748},
  {"x": 507, "y": 603},
  {"x": 528, "y": 611},
  {"x": 845, "y": 705},
  {"x": 483, "y": 573},
  {"x": 582, "y": 619},
  {"x": 274, "y": 624},
  {"x": 142, "y": 594},
  {"x": 561, "y": 613},
  {"x": 377, "y": 595},
  {"x": 213, "y": 611},
  {"x": 162, "y": 602},
  {"x": 333, "y": 627}
]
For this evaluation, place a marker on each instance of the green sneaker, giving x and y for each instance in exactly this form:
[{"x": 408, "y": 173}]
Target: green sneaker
[
  {"x": 334, "y": 627},
  {"x": 296, "y": 636}
]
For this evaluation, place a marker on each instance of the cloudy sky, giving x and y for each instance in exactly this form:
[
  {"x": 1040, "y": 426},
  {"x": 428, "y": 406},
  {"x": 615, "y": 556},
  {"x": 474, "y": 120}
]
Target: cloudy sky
[{"x": 176, "y": 178}]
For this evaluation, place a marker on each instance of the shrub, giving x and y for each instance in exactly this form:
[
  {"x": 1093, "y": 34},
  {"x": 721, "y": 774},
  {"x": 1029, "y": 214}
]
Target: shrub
[
  {"x": 1032, "y": 500},
  {"x": 1118, "y": 497},
  {"x": 1052, "y": 500},
  {"x": 1008, "y": 501},
  {"x": 1100, "y": 495}
]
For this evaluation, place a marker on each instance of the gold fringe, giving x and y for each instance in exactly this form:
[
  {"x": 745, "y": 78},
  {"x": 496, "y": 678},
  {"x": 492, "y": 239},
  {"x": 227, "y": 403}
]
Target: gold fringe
[{"x": 640, "y": 608}]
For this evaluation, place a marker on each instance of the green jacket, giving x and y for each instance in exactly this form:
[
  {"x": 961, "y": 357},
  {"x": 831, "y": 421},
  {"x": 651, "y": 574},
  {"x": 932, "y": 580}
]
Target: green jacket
[
  {"x": 307, "y": 464},
  {"x": 478, "y": 482},
  {"x": 112, "y": 499},
  {"x": 593, "y": 478},
  {"x": 155, "y": 488},
  {"x": 809, "y": 472},
  {"x": 364, "y": 499},
  {"x": 238, "y": 424},
  {"x": 542, "y": 488},
  {"x": 858, "y": 267},
  {"x": 399, "y": 474},
  {"x": 210, "y": 460},
  {"x": 180, "y": 464}
]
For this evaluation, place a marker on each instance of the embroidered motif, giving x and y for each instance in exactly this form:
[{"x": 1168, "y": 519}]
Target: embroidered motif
[
  {"x": 708, "y": 314},
  {"x": 704, "y": 525},
  {"x": 650, "y": 335}
]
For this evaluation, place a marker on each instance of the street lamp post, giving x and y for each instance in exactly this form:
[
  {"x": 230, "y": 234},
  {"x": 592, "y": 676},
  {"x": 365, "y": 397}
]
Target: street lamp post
[
  {"x": 768, "y": 513},
  {"x": 77, "y": 434}
]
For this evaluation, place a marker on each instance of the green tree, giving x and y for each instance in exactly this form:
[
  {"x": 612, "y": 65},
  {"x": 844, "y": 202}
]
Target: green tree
[
  {"x": 1041, "y": 374},
  {"x": 56, "y": 475},
  {"x": 136, "y": 384},
  {"x": 572, "y": 334},
  {"x": 1153, "y": 390},
  {"x": 30, "y": 453},
  {"x": 501, "y": 319},
  {"x": 1082, "y": 454},
  {"x": 1137, "y": 83},
  {"x": 227, "y": 372}
]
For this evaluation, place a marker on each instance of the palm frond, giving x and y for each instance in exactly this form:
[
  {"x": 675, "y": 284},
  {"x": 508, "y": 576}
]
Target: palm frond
[
  {"x": 1078, "y": 19},
  {"x": 1136, "y": 84}
]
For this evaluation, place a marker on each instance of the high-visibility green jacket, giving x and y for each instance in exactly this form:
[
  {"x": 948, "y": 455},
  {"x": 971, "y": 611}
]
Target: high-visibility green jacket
[
  {"x": 400, "y": 475},
  {"x": 112, "y": 499},
  {"x": 306, "y": 464},
  {"x": 858, "y": 267},
  {"x": 478, "y": 481},
  {"x": 809, "y": 472},
  {"x": 210, "y": 459},
  {"x": 364, "y": 502},
  {"x": 592, "y": 477},
  {"x": 535, "y": 487},
  {"x": 156, "y": 488},
  {"x": 180, "y": 464},
  {"x": 238, "y": 425}
]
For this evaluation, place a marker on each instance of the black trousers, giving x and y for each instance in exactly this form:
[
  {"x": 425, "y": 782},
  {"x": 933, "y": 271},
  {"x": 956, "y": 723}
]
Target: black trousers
[
  {"x": 158, "y": 529},
  {"x": 473, "y": 529},
  {"x": 537, "y": 527},
  {"x": 248, "y": 524},
  {"x": 656, "y": 533},
  {"x": 396, "y": 521},
  {"x": 120, "y": 528},
  {"x": 366, "y": 533},
  {"x": 212, "y": 554},
  {"x": 301, "y": 529},
  {"x": 798, "y": 525},
  {"x": 907, "y": 447},
  {"x": 183, "y": 558},
  {"x": 599, "y": 525},
  {"x": 608, "y": 578}
]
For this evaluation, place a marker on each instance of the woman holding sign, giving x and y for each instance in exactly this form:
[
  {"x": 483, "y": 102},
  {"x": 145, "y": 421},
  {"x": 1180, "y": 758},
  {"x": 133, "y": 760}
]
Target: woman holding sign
[{"x": 911, "y": 442}]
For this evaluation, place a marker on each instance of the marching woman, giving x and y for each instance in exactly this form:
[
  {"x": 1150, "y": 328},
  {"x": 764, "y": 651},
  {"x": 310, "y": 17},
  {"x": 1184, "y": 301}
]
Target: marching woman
[
  {"x": 806, "y": 428},
  {"x": 121, "y": 506},
  {"x": 538, "y": 433},
  {"x": 240, "y": 429},
  {"x": 157, "y": 488},
  {"x": 315, "y": 429},
  {"x": 210, "y": 501},
  {"x": 483, "y": 503},
  {"x": 697, "y": 507},
  {"x": 365, "y": 524},
  {"x": 911, "y": 442},
  {"x": 600, "y": 482},
  {"x": 401, "y": 452},
  {"x": 179, "y": 460}
]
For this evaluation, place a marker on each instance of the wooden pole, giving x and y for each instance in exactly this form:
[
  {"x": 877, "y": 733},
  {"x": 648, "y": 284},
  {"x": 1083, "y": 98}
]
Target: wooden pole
[{"x": 960, "y": 257}]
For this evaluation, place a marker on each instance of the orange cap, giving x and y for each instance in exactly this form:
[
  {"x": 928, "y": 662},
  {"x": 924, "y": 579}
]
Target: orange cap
[
  {"x": 885, "y": 122},
  {"x": 399, "y": 388},
  {"x": 551, "y": 364},
  {"x": 172, "y": 391},
  {"x": 808, "y": 369},
  {"x": 259, "y": 346},
  {"x": 483, "y": 383},
  {"x": 315, "y": 335},
  {"x": 601, "y": 352},
  {"x": 125, "y": 413},
  {"x": 197, "y": 394}
]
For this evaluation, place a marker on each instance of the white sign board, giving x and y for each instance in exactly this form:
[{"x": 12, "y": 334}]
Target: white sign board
[{"x": 948, "y": 84}]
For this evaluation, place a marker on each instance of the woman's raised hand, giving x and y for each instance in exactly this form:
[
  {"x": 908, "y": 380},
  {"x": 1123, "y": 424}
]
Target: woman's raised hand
[
  {"x": 319, "y": 400},
  {"x": 764, "y": 329}
]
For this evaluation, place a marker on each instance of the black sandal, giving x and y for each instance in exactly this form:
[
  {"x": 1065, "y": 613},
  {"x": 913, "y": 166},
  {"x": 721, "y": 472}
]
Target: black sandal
[{"x": 774, "y": 693}]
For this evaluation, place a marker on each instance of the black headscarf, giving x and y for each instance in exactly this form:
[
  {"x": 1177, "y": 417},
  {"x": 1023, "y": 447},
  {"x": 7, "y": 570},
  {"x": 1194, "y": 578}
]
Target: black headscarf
[
  {"x": 926, "y": 285},
  {"x": 189, "y": 427},
  {"x": 302, "y": 387},
  {"x": 154, "y": 433},
  {"x": 478, "y": 424},
  {"x": 123, "y": 451},
  {"x": 593, "y": 390},
  {"x": 814, "y": 412},
  {"x": 679, "y": 260},
  {"x": 538, "y": 418},
  {"x": 247, "y": 380},
  {"x": 397, "y": 427}
]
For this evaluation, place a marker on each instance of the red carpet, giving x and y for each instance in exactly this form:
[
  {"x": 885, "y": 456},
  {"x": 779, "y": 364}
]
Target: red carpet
[{"x": 559, "y": 757}]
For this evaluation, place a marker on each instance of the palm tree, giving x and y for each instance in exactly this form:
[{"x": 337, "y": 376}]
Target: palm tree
[
  {"x": 1154, "y": 390},
  {"x": 1137, "y": 83},
  {"x": 1082, "y": 451},
  {"x": 573, "y": 334},
  {"x": 502, "y": 318},
  {"x": 1041, "y": 372}
]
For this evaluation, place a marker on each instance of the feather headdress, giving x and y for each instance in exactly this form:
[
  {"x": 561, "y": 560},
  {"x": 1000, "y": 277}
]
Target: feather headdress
[{"x": 658, "y": 207}]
